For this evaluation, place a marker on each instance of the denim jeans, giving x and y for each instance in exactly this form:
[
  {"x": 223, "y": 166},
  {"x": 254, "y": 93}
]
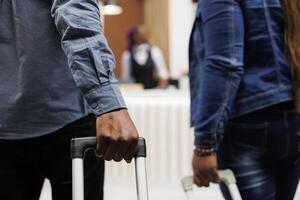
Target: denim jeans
[
  {"x": 25, "y": 163},
  {"x": 262, "y": 148}
]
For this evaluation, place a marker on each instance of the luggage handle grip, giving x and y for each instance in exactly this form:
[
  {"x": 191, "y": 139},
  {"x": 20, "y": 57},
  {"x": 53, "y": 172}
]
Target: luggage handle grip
[
  {"x": 227, "y": 176},
  {"x": 80, "y": 145}
]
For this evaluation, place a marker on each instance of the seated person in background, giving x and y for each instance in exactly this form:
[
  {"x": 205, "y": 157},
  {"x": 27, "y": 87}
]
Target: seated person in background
[{"x": 142, "y": 62}]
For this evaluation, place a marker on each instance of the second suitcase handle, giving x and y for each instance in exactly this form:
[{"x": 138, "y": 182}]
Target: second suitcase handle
[{"x": 227, "y": 176}]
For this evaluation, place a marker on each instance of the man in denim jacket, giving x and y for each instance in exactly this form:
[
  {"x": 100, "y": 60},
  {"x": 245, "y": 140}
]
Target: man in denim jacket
[
  {"x": 57, "y": 82},
  {"x": 242, "y": 98}
]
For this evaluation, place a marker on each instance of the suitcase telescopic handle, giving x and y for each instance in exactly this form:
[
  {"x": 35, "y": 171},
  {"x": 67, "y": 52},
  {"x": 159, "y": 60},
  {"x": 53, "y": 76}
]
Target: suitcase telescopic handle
[
  {"x": 78, "y": 148},
  {"x": 80, "y": 145}
]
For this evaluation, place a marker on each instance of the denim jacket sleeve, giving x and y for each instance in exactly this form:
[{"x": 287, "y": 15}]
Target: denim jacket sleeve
[
  {"x": 216, "y": 70},
  {"x": 90, "y": 59}
]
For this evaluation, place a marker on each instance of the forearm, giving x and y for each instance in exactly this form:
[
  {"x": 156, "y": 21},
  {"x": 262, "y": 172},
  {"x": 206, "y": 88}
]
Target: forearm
[
  {"x": 215, "y": 98},
  {"x": 90, "y": 59},
  {"x": 216, "y": 77}
]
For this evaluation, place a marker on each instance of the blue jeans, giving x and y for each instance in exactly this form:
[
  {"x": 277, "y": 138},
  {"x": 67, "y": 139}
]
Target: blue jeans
[{"x": 263, "y": 148}]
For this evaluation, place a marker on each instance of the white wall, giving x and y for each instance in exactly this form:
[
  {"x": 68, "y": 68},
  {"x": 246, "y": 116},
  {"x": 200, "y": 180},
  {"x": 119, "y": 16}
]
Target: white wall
[{"x": 181, "y": 16}]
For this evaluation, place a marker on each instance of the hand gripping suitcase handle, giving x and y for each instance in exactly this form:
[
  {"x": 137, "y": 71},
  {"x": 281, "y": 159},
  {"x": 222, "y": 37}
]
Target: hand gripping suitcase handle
[
  {"x": 80, "y": 145},
  {"x": 78, "y": 148},
  {"x": 227, "y": 176}
]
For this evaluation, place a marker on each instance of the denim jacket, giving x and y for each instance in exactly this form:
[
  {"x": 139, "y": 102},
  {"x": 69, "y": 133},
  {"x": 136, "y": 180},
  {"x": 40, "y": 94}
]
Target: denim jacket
[{"x": 237, "y": 63}]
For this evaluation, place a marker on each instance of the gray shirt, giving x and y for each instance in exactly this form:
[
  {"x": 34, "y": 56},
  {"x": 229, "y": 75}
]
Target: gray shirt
[{"x": 55, "y": 66}]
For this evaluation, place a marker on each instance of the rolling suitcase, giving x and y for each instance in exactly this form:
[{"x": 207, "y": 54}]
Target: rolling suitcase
[
  {"x": 78, "y": 148},
  {"x": 227, "y": 176}
]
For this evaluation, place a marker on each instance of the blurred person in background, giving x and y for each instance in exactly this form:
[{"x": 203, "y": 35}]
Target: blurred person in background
[
  {"x": 57, "y": 83},
  {"x": 142, "y": 62},
  {"x": 245, "y": 97}
]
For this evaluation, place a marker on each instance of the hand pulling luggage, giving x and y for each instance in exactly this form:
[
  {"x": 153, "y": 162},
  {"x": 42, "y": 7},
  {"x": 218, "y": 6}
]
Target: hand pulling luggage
[
  {"x": 78, "y": 148},
  {"x": 227, "y": 176}
]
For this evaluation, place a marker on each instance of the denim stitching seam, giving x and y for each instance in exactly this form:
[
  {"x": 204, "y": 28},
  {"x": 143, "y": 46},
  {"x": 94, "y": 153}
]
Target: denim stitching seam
[
  {"x": 227, "y": 87},
  {"x": 267, "y": 17}
]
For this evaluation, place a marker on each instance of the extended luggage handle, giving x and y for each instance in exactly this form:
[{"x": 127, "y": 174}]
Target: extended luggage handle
[
  {"x": 80, "y": 145},
  {"x": 78, "y": 148},
  {"x": 227, "y": 176}
]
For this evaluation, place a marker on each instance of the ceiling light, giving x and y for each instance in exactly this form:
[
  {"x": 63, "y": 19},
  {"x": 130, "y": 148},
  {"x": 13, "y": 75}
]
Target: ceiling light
[{"x": 111, "y": 7}]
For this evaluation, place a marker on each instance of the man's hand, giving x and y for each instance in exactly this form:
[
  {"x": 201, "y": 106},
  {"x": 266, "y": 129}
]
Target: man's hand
[
  {"x": 117, "y": 136},
  {"x": 205, "y": 170}
]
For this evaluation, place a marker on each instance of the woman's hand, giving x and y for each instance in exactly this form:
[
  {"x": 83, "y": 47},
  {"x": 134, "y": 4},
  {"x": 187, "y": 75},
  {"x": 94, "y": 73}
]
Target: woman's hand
[{"x": 205, "y": 170}]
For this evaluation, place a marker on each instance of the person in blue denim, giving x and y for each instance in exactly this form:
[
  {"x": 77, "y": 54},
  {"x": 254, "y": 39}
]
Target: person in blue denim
[
  {"x": 56, "y": 83},
  {"x": 243, "y": 65}
]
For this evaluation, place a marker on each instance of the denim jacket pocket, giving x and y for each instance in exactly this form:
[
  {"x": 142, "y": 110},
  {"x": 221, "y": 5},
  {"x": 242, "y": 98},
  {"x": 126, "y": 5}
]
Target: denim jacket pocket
[{"x": 248, "y": 142}]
